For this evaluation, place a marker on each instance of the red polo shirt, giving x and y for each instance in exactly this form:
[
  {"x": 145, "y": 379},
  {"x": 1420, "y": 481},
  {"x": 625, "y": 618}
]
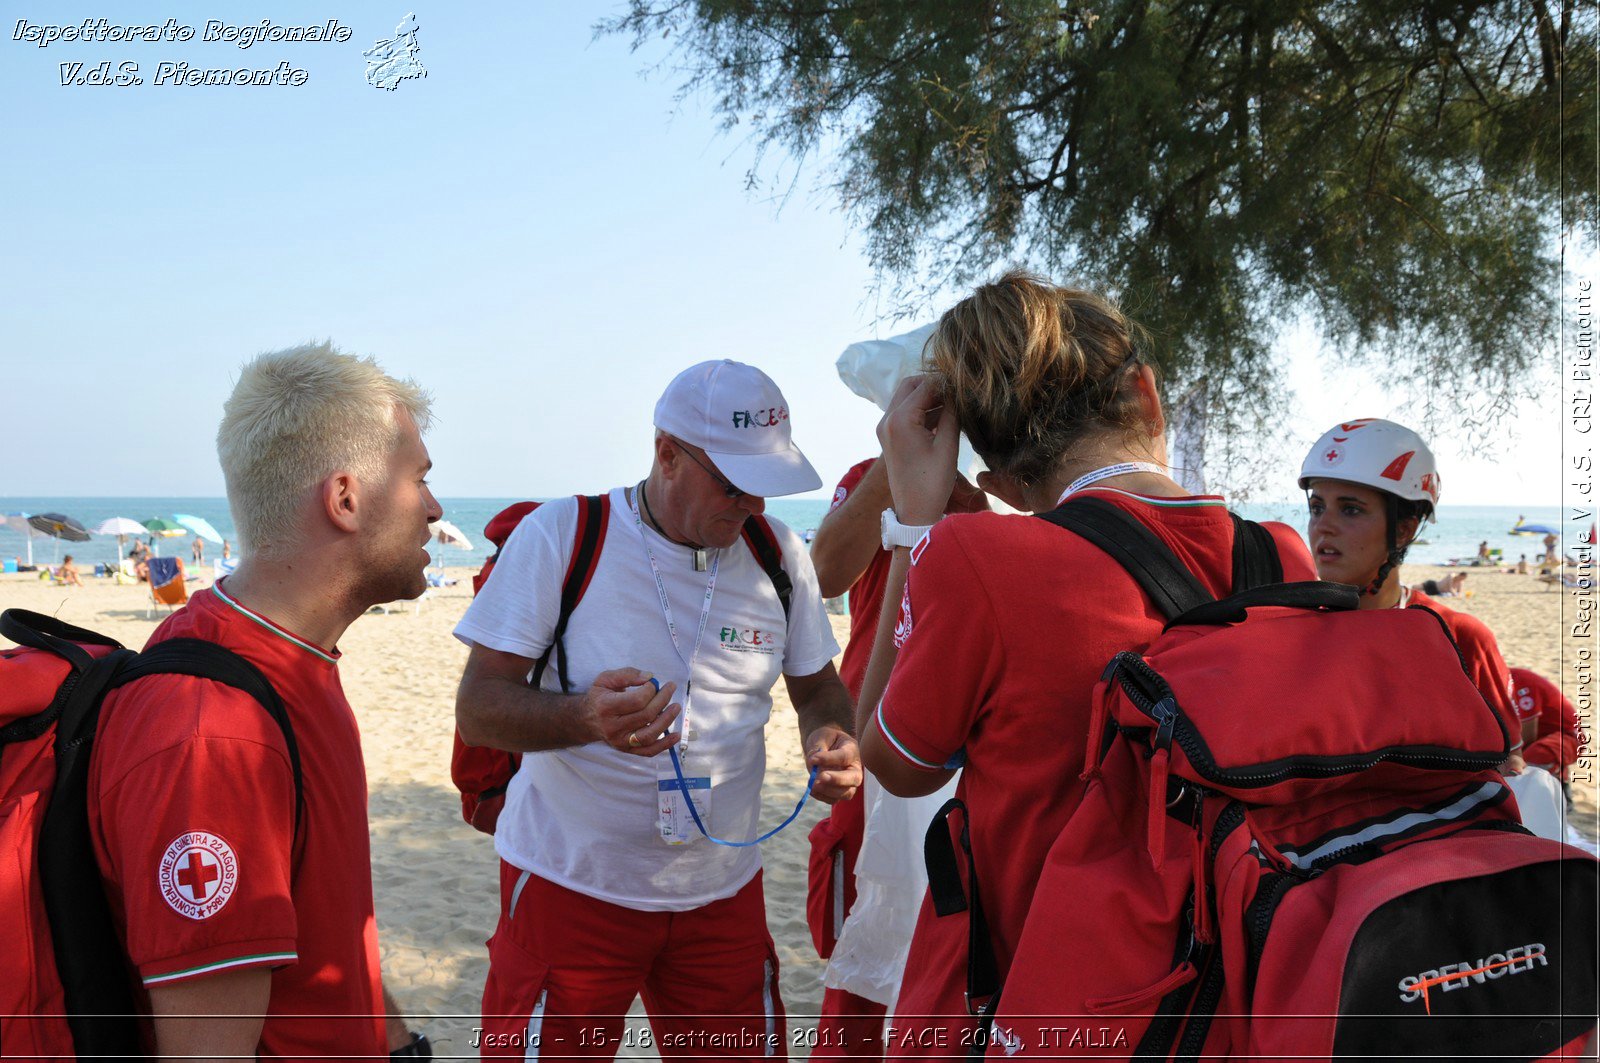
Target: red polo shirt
[
  {"x": 1537, "y": 698},
  {"x": 192, "y": 810},
  {"x": 1005, "y": 626}
]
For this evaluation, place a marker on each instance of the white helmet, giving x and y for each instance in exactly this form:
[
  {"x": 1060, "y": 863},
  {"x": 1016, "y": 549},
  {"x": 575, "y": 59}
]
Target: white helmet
[{"x": 1375, "y": 453}]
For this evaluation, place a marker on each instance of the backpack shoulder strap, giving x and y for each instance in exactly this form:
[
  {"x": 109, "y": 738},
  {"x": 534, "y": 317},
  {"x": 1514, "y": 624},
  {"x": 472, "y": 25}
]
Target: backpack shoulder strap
[
  {"x": 208, "y": 660},
  {"x": 88, "y": 958},
  {"x": 1156, "y": 569},
  {"x": 763, "y": 542},
  {"x": 594, "y": 514},
  {"x": 1255, "y": 556}
]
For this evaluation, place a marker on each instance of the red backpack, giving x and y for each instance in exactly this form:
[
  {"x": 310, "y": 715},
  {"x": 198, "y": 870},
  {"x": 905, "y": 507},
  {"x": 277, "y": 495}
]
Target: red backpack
[
  {"x": 65, "y": 987},
  {"x": 482, "y": 774},
  {"x": 1292, "y": 842}
]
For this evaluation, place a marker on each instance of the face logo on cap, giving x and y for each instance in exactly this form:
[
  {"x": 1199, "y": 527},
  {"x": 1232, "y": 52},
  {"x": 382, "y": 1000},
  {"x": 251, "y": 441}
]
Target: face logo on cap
[
  {"x": 767, "y": 418},
  {"x": 1333, "y": 455},
  {"x": 197, "y": 874}
]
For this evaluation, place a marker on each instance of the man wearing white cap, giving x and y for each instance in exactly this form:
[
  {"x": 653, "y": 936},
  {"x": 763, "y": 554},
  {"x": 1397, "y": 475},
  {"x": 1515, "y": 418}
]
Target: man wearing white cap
[{"x": 612, "y": 885}]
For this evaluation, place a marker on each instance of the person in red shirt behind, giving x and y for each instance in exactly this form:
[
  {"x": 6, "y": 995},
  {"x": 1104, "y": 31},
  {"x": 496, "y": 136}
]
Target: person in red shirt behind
[
  {"x": 849, "y": 556},
  {"x": 250, "y": 937},
  {"x": 1370, "y": 484},
  {"x": 1006, "y": 622},
  {"x": 1549, "y": 724}
]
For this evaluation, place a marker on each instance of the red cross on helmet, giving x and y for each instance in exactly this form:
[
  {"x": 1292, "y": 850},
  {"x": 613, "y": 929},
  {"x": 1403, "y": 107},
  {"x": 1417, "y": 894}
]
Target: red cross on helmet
[{"x": 1375, "y": 453}]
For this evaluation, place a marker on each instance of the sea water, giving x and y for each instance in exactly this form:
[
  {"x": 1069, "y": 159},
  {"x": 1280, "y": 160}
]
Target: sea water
[{"x": 1457, "y": 533}]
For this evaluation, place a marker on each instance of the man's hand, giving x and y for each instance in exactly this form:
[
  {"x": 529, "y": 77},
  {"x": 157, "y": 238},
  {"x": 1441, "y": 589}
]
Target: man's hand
[
  {"x": 832, "y": 751},
  {"x": 629, "y": 713},
  {"x": 920, "y": 440}
]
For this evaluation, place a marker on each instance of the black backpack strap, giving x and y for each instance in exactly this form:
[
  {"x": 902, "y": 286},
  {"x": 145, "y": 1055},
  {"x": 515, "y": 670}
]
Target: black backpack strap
[
  {"x": 1255, "y": 556},
  {"x": 1170, "y": 584},
  {"x": 89, "y": 959},
  {"x": 40, "y": 632},
  {"x": 948, "y": 896},
  {"x": 207, "y": 660},
  {"x": 1309, "y": 594},
  {"x": 594, "y": 512},
  {"x": 764, "y": 544}
]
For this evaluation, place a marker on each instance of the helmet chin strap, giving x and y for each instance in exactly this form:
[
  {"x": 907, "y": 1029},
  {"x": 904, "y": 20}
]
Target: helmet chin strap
[{"x": 1391, "y": 513}]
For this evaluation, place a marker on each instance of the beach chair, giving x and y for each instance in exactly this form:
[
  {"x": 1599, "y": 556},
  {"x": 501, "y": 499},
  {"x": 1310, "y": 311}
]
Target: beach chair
[{"x": 167, "y": 586}]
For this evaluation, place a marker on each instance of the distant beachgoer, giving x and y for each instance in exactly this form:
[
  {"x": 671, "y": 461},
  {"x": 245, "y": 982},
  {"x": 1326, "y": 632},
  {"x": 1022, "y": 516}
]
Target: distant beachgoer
[
  {"x": 1484, "y": 556},
  {"x": 227, "y": 550},
  {"x": 1522, "y": 565},
  {"x": 197, "y": 550},
  {"x": 139, "y": 551},
  {"x": 1550, "y": 543},
  {"x": 1449, "y": 587},
  {"x": 68, "y": 573}
]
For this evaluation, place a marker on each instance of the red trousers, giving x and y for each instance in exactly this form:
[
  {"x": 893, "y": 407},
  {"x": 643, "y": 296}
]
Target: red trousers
[
  {"x": 564, "y": 968},
  {"x": 850, "y": 1027}
]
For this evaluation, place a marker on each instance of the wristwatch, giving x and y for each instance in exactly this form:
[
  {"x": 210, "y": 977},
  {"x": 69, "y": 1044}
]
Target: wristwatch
[{"x": 897, "y": 534}]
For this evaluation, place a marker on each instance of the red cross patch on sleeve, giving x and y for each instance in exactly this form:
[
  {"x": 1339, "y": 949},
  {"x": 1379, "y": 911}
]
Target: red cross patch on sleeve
[{"x": 197, "y": 874}]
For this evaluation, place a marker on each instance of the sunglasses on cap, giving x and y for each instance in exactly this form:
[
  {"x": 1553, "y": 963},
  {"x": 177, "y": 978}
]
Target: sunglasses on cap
[{"x": 727, "y": 487}]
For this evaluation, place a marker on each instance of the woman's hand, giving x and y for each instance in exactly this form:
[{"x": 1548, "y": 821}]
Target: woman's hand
[{"x": 920, "y": 438}]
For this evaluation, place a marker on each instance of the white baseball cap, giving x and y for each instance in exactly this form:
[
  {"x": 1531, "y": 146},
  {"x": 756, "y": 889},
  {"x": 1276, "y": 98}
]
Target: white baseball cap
[{"x": 736, "y": 414}]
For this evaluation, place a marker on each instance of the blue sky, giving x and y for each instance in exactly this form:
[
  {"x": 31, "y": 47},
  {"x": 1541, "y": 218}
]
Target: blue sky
[{"x": 536, "y": 231}]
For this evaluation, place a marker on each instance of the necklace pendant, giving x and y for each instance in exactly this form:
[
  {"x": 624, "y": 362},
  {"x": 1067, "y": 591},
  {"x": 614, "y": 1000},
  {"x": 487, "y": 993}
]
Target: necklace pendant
[{"x": 700, "y": 559}]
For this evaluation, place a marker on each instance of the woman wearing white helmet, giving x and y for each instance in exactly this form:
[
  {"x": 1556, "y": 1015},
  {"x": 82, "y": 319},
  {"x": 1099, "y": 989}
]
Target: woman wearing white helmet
[{"x": 1370, "y": 484}]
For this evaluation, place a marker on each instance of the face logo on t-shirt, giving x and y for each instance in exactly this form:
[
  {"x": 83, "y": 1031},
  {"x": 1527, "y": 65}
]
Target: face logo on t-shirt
[
  {"x": 839, "y": 494},
  {"x": 197, "y": 874},
  {"x": 1525, "y": 701}
]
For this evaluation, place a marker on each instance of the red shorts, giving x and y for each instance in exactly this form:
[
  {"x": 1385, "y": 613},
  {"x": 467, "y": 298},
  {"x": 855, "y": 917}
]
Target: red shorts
[{"x": 564, "y": 968}]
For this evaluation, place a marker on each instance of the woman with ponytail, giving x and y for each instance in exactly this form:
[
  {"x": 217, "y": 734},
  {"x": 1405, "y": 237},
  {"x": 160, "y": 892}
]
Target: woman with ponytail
[
  {"x": 997, "y": 627},
  {"x": 1370, "y": 484}
]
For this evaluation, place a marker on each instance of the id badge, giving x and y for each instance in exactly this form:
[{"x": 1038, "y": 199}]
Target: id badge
[{"x": 672, "y": 812}]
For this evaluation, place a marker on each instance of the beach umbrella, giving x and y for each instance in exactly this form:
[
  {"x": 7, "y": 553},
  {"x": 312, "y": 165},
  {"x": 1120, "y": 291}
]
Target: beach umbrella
[
  {"x": 163, "y": 527},
  {"x": 58, "y": 526},
  {"x": 200, "y": 526},
  {"x": 19, "y": 521},
  {"x": 447, "y": 534},
  {"x": 120, "y": 527}
]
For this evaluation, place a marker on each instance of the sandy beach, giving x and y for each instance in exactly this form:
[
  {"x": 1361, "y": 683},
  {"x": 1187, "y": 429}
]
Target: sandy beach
[{"x": 435, "y": 877}]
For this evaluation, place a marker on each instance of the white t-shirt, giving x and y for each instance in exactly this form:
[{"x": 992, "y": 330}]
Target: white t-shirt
[{"x": 586, "y": 817}]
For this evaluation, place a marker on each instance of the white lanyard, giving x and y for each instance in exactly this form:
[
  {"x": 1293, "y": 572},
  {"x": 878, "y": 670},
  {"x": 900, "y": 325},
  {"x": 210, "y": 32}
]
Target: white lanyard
[
  {"x": 672, "y": 627},
  {"x": 1107, "y": 472}
]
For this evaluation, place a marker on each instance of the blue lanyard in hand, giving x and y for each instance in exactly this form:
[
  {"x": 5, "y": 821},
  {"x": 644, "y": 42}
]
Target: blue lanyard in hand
[{"x": 683, "y": 788}]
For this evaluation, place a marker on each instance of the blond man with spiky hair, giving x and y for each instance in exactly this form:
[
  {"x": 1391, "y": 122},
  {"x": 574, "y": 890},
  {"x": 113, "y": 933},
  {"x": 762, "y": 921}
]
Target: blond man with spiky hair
[{"x": 237, "y": 863}]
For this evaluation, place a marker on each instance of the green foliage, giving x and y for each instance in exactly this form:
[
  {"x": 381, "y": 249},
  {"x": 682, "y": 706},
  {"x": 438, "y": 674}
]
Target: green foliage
[{"x": 1398, "y": 171}]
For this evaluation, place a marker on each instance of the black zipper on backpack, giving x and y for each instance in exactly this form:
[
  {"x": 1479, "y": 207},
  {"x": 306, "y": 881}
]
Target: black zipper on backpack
[
  {"x": 1207, "y": 997},
  {"x": 1260, "y": 914},
  {"x": 1151, "y": 695},
  {"x": 1209, "y": 993}
]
